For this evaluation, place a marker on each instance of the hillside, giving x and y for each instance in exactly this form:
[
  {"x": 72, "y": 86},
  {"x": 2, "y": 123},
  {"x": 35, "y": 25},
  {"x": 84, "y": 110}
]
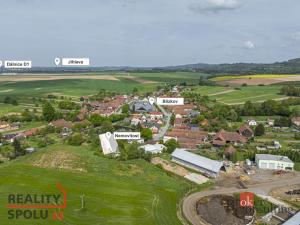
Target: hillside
[
  {"x": 286, "y": 67},
  {"x": 132, "y": 192}
]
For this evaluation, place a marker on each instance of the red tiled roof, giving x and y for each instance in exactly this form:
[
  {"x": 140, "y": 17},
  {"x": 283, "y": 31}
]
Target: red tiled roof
[
  {"x": 155, "y": 113},
  {"x": 245, "y": 127},
  {"x": 230, "y": 137},
  {"x": 61, "y": 123},
  {"x": 31, "y": 132}
]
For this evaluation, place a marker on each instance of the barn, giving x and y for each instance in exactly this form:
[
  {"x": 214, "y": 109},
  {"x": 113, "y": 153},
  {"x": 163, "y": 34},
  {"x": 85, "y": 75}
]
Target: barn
[{"x": 202, "y": 164}]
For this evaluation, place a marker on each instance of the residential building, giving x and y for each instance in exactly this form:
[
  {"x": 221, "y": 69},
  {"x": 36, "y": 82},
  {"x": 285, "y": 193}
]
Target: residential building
[
  {"x": 202, "y": 164},
  {"x": 153, "y": 149},
  {"x": 31, "y": 132},
  {"x": 273, "y": 162},
  {"x": 156, "y": 115},
  {"x": 246, "y": 131},
  {"x": 61, "y": 124},
  {"x": 135, "y": 121},
  {"x": 252, "y": 123},
  {"x": 296, "y": 121},
  {"x": 108, "y": 143},
  {"x": 270, "y": 122},
  {"x": 4, "y": 126}
]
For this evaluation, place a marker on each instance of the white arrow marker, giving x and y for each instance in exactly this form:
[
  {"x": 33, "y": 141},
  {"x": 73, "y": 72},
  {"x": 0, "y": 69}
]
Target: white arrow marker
[
  {"x": 151, "y": 100},
  {"x": 0, "y": 63},
  {"x": 57, "y": 61},
  {"x": 108, "y": 135}
]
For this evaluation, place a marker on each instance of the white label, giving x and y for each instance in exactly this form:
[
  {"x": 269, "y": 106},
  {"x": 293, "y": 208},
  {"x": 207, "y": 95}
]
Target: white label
[
  {"x": 17, "y": 64},
  {"x": 0, "y": 63},
  {"x": 127, "y": 135},
  {"x": 170, "y": 101},
  {"x": 75, "y": 61}
]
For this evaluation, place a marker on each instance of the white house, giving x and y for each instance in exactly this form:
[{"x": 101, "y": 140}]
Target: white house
[
  {"x": 273, "y": 162},
  {"x": 252, "y": 123},
  {"x": 277, "y": 145},
  {"x": 156, "y": 115},
  {"x": 135, "y": 121},
  {"x": 108, "y": 143},
  {"x": 153, "y": 149}
]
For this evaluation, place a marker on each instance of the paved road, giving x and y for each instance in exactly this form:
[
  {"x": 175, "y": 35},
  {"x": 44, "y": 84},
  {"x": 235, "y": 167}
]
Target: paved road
[
  {"x": 164, "y": 129},
  {"x": 189, "y": 203}
]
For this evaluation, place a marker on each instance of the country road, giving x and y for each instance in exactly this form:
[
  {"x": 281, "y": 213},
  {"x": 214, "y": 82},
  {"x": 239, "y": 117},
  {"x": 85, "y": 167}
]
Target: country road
[
  {"x": 164, "y": 129},
  {"x": 189, "y": 202}
]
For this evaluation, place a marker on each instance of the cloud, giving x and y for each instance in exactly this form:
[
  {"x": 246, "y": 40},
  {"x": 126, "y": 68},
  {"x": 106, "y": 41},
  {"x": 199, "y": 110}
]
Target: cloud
[
  {"x": 249, "y": 45},
  {"x": 296, "y": 36},
  {"x": 215, "y": 5}
]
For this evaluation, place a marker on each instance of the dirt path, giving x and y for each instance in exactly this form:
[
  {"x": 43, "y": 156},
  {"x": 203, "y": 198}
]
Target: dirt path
[
  {"x": 221, "y": 92},
  {"x": 189, "y": 203},
  {"x": 40, "y": 77}
]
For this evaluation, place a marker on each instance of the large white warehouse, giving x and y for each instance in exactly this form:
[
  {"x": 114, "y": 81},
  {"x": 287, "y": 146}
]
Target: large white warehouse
[{"x": 273, "y": 162}]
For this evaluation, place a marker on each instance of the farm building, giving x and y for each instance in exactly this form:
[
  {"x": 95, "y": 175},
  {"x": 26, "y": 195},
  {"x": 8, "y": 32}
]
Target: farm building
[
  {"x": 108, "y": 143},
  {"x": 204, "y": 165},
  {"x": 223, "y": 137},
  {"x": 273, "y": 162},
  {"x": 294, "y": 220}
]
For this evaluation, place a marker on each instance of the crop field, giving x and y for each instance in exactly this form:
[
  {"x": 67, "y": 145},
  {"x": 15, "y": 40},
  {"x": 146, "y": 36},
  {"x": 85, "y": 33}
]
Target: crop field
[
  {"x": 71, "y": 85},
  {"x": 74, "y": 88},
  {"x": 132, "y": 192},
  {"x": 270, "y": 76},
  {"x": 233, "y": 96},
  {"x": 264, "y": 79}
]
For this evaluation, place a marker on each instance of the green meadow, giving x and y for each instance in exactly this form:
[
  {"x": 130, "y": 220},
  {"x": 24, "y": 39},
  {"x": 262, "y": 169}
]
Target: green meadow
[
  {"x": 131, "y": 192},
  {"x": 235, "y": 96}
]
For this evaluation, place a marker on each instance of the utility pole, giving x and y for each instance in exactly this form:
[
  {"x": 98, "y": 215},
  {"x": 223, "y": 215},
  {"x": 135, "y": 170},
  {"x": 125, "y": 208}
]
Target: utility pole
[{"x": 82, "y": 201}]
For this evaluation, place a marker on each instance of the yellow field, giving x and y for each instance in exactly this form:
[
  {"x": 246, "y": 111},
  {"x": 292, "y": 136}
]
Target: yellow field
[{"x": 267, "y": 76}]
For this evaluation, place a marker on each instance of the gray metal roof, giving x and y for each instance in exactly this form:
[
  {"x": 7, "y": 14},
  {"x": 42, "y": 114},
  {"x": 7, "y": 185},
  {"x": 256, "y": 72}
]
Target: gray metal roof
[
  {"x": 294, "y": 220},
  {"x": 273, "y": 158},
  {"x": 143, "y": 106},
  {"x": 197, "y": 160}
]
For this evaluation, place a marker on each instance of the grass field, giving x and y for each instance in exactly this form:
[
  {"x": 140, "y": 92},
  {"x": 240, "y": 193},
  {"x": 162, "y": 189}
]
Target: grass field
[
  {"x": 231, "y": 96},
  {"x": 124, "y": 83},
  {"x": 6, "y": 108},
  {"x": 133, "y": 192}
]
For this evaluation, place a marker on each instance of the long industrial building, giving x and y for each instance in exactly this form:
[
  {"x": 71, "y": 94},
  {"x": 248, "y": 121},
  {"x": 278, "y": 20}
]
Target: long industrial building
[
  {"x": 273, "y": 162},
  {"x": 202, "y": 164}
]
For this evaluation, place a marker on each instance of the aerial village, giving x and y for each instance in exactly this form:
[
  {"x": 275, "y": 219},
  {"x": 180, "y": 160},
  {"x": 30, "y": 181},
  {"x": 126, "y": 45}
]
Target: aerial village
[{"x": 198, "y": 140}]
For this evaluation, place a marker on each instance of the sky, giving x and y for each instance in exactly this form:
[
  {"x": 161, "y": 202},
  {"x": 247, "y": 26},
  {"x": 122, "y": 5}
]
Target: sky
[{"x": 150, "y": 32}]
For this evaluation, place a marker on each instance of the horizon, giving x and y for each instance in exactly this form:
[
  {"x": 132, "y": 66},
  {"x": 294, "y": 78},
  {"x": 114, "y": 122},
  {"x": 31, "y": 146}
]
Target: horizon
[{"x": 150, "y": 33}]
